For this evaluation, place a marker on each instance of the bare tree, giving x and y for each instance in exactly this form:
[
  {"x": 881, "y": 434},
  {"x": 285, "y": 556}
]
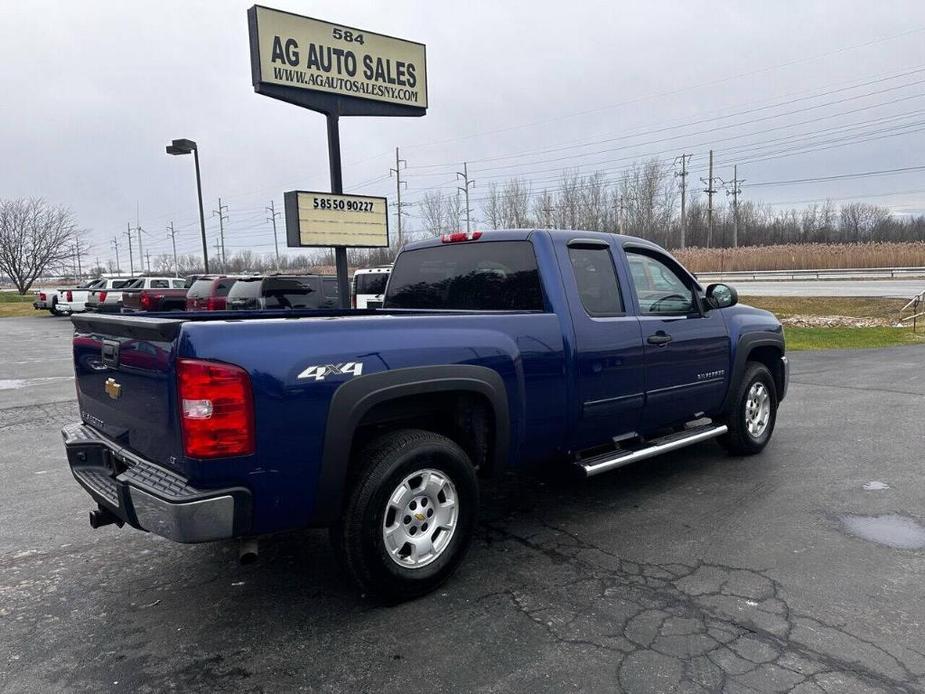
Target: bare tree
[
  {"x": 432, "y": 210},
  {"x": 453, "y": 213},
  {"x": 491, "y": 208},
  {"x": 34, "y": 237}
]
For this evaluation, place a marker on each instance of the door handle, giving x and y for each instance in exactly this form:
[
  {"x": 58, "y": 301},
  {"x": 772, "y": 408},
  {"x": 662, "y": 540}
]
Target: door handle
[{"x": 660, "y": 338}]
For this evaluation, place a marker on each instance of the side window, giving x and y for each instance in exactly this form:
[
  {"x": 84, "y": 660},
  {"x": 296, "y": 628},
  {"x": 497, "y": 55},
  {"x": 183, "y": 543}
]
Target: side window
[
  {"x": 597, "y": 281},
  {"x": 158, "y": 284},
  {"x": 659, "y": 288},
  {"x": 178, "y": 284}
]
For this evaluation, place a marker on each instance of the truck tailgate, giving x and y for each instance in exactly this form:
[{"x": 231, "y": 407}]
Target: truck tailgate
[{"x": 125, "y": 382}]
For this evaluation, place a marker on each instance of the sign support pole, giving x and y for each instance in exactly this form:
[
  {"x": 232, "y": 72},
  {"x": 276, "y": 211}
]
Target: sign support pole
[{"x": 337, "y": 187}]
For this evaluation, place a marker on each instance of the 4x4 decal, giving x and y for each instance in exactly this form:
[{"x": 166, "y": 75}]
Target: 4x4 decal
[{"x": 320, "y": 371}]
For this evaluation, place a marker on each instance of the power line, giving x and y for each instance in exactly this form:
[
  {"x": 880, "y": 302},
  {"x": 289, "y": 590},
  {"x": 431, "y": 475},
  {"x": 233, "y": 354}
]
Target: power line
[
  {"x": 687, "y": 123},
  {"x": 681, "y": 90},
  {"x": 838, "y": 177}
]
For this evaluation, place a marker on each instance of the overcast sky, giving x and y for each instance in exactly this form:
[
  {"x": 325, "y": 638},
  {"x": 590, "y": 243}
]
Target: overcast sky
[{"x": 92, "y": 92}]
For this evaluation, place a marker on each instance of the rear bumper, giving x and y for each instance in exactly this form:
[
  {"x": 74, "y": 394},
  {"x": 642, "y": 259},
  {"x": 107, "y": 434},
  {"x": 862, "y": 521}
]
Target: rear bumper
[{"x": 148, "y": 497}]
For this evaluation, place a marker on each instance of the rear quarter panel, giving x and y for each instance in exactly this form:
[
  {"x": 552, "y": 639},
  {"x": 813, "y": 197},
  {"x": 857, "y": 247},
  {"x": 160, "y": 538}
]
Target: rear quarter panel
[{"x": 291, "y": 413}]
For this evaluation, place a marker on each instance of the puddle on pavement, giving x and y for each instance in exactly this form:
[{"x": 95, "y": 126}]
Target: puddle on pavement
[{"x": 892, "y": 530}]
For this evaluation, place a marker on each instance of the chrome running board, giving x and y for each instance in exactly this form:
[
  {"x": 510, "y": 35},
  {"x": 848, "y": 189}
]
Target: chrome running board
[{"x": 614, "y": 459}]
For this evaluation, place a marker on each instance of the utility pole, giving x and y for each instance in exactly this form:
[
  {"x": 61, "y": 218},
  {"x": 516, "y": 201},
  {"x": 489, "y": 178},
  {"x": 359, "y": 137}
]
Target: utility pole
[
  {"x": 77, "y": 253},
  {"x": 218, "y": 251},
  {"x": 138, "y": 229},
  {"x": 272, "y": 218},
  {"x": 131, "y": 260},
  {"x": 733, "y": 188},
  {"x": 173, "y": 240},
  {"x": 115, "y": 245},
  {"x": 619, "y": 208},
  {"x": 682, "y": 174},
  {"x": 464, "y": 175},
  {"x": 222, "y": 214},
  {"x": 148, "y": 258},
  {"x": 710, "y": 191},
  {"x": 399, "y": 165}
]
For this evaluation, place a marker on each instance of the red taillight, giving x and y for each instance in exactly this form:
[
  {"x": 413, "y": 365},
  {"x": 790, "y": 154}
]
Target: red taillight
[
  {"x": 103, "y": 296},
  {"x": 461, "y": 236},
  {"x": 41, "y": 296},
  {"x": 216, "y": 409},
  {"x": 146, "y": 301},
  {"x": 70, "y": 295},
  {"x": 212, "y": 304}
]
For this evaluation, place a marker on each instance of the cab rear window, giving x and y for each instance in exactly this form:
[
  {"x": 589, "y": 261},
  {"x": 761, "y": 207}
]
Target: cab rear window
[
  {"x": 481, "y": 276},
  {"x": 371, "y": 282}
]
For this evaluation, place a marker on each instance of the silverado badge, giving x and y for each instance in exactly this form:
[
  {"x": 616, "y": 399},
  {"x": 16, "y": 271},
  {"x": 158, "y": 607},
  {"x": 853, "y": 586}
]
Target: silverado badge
[{"x": 112, "y": 388}]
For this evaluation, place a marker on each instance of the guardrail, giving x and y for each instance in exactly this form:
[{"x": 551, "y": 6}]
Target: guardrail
[{"x": 818, "y": 274}]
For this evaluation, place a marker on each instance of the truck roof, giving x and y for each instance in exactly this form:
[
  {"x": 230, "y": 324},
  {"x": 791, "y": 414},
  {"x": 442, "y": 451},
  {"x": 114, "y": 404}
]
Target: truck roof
[{"x": 524, "y": 234}]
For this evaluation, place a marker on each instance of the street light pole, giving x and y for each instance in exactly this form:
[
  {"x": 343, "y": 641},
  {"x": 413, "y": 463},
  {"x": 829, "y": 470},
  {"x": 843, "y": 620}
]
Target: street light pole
[{"x": 184, "y": 146}]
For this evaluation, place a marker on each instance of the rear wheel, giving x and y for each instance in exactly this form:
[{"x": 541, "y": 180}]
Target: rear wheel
[
  {"x": 754, "y": 412},
  {"x": 410, "y": 514}
]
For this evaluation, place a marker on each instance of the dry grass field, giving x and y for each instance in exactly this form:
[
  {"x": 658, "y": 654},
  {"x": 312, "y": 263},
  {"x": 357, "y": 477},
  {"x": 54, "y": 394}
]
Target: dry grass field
[
  {"x": 12, "y": 304},
  {"x": 810, "y": 256}
]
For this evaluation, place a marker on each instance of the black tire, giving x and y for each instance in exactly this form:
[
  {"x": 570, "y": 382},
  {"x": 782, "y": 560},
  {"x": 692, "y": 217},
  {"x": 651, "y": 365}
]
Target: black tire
[
  {"x": 358, "y": 536},
  {"x": 739, "y": 440}
]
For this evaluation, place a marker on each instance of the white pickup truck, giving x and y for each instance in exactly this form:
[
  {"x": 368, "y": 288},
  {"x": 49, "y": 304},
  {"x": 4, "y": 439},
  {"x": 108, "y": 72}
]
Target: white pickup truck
[
  {"x": 106, "y": 297},
  {"x": 46, "y": 300},
  {"x": 74, "y": 300}
]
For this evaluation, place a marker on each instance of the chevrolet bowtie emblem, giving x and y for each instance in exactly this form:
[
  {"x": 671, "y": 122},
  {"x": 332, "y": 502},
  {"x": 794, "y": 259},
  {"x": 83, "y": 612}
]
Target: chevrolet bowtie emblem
[
  {"x": 112, "y": 388},
  {"x": 420, "y": 516}
]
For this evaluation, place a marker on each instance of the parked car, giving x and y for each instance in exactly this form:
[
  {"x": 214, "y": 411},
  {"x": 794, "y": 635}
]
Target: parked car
[
  {"x": 494, "y": 351},
  {"x": 209, "y": 293},
  {"x": 107, "y": 297},
  {"x": 46, "y": 300},
  {"x": 283, "y": 292},
  {"x": 154, "y": 294},
  {"x": 369, "y": 286},
  {"x": 74, "y": 300}
]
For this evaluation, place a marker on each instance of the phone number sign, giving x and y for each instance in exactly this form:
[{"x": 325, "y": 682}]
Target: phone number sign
[{"x": 324, "y": 219}]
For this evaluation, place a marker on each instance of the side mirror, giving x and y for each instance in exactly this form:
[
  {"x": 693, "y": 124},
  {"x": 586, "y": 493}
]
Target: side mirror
[{"x": 721, "y": 296}]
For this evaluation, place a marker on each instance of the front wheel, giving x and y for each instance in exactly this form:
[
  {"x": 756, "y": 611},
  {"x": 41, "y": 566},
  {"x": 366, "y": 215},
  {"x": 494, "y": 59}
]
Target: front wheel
[
  {"x": 410, "y": 514},
  {"x": 754, "y": 412}
]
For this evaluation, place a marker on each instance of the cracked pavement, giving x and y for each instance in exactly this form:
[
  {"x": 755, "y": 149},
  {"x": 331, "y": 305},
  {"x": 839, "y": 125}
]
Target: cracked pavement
[{"x": 694, "y": 572}]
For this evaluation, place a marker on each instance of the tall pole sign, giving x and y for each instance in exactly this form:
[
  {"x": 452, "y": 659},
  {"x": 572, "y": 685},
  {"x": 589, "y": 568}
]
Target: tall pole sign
[{"x": 338, "y": 71}]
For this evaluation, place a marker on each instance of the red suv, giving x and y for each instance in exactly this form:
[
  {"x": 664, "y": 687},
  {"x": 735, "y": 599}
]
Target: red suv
[{"x": 209, "y": 293}]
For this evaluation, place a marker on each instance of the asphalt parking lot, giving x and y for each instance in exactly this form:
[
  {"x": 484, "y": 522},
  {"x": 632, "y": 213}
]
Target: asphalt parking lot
[{"x": 694, "y": 572}]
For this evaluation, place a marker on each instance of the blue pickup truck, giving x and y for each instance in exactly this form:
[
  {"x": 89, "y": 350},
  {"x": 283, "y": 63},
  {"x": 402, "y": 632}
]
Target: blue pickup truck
[{"x": 492, "y": 351}]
